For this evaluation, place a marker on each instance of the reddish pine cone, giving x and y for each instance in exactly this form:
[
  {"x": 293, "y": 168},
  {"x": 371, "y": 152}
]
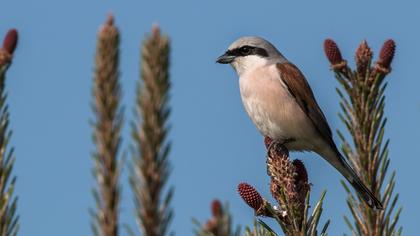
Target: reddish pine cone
[
  {"x": 216, "y": 208},
  {"x": 250, "y": 196},
  {"x": 387, "y": 53},
  {"x": 267, "y": 142},
  {"x": 10, "y": 41},
  {"x": 301, "y": 174},
  {"x": 301, "y": 182},
  {"x": 282, "y": 173},
  {"x": 332, "y": 52}
]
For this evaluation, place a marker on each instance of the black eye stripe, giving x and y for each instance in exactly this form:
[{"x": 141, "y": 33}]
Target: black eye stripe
[
  {"x": 247, "y": 50},
  {"x": 261, "y": 52}
]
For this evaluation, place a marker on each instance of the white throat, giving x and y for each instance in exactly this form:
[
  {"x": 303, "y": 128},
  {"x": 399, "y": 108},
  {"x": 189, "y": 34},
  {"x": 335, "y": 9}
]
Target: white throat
[{"x": 243, "y": 65}]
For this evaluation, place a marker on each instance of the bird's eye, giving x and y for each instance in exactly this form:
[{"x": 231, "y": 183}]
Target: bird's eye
[{"x": 245, "y": 50}]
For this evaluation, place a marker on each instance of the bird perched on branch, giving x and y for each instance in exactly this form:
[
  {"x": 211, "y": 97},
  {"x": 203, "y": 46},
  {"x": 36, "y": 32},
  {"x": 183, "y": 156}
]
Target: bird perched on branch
[{"x": 281, "y": 104}]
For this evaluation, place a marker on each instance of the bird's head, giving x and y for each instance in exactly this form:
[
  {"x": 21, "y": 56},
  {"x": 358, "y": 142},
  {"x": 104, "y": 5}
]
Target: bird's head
[{"x": 250, "y": 52}]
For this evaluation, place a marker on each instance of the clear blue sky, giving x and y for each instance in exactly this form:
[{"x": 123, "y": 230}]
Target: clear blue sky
[{"x": 215, "y": 145}]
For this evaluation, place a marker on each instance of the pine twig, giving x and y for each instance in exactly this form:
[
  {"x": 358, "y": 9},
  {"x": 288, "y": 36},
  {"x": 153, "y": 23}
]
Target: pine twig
[
  {"x": 362, "y": 101},
  {"x": 151, "y": 168},
  {"x": 220, "y": 224},
  {"x": 291, "y": 189},
  {"x": 107, "y": 130},
  {"x": 9, "y": 220}
]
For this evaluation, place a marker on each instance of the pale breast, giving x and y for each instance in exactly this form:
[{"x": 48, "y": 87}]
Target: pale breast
[{"x": 273, "y": 109}]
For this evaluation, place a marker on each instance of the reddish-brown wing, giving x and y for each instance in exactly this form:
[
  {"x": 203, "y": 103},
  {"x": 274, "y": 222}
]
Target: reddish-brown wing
[{"x": 299, "y": 88}]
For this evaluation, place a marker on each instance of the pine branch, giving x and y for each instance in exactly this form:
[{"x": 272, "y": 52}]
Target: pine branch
[
  {"x": 9, "y": 220},
  {"x": 259, "y": 229},
  {"x": 107, "y": 130},
  {"x": 151, "y": 167},
  {"x": 220, "y": 224},
  {"x": 362, "y": 111},
  {"x": 290, "y": 187}
]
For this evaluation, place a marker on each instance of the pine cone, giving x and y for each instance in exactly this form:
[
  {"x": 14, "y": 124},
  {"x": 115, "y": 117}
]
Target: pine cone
[
  {"x": 250, "y": 196},
  {"x": 301, "y": 183},
  {"x": 383, "y": 65},
  {"x": 216, "y": 208},
  {"x": 282, "y": 173},
  {"x": 10, "y": 41},
  {"x": 387, "y": 53},
  {"x": 9, "y": 46},
  {"x": 267, "y": 141},
  {"x": 334, "y": 55},
  {"x": 363, "y": 57}
]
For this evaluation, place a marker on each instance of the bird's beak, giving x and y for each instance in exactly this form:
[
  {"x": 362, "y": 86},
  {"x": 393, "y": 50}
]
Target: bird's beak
[{"x": 225, "y": 59}]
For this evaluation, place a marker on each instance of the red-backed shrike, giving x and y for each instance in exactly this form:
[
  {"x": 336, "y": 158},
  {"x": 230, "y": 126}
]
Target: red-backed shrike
[{"x": 281, "y": 104}]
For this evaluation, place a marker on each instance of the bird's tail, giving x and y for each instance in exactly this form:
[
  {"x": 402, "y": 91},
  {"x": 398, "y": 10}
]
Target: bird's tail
[{"x": 345, "y": 169}]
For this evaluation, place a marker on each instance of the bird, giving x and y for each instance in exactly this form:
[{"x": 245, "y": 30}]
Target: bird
[{"x": 281, "y": 104}]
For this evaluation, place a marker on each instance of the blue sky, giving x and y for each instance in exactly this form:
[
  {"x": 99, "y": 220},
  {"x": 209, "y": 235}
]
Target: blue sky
[{"x": 215, "y": 145}]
